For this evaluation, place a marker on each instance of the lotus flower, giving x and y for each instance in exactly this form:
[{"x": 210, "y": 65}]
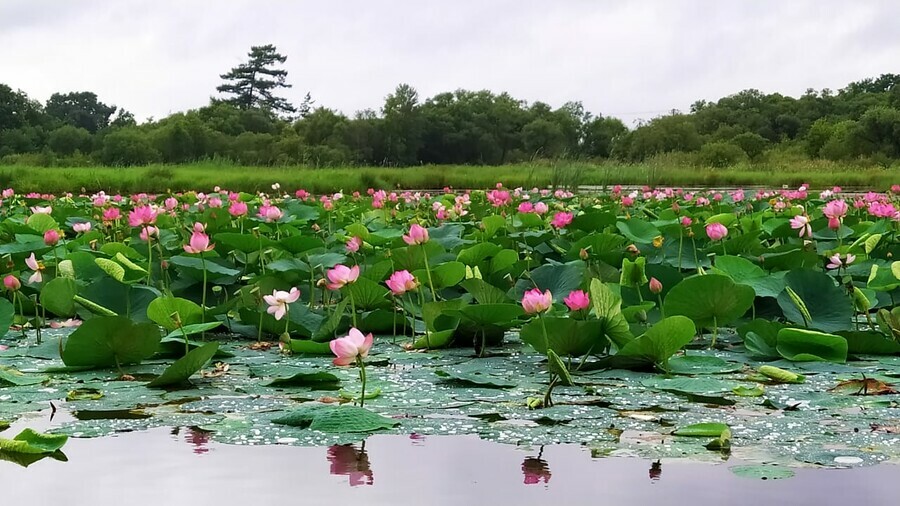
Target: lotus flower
[
  {"x": 199, "y": 243},
  {"x": 836, "y": 263},
  {"x": 417, "y": 235},
  {"x": 148, "y": 232},
  {"x": 686, "y": 221},
  {"x": 81, "y": 228},
  {"x": 51, "y": 237},
  {"x": 111, "y": 214},
  {"x": 12, "y": 283},
  {"x": 716, "y": 231},
  {"x": 801, "y": 223},
  {"x": 401, "y": 282},
  {"x": 42, "y": 210},
  {"x": 141, "y": 216},
  {"x": 37, "y": 267},
  {"x": 279, "y": 300},
  {"x": 577, "y": 300},
  {"x": 655, "y": 286},
  {"x": 341, "y": 275},
  {"x": 237, "y": 209},
  {"x": 354, "y": 244},
  {"x": 561, "y": 220},
  {"x": 348, "y": 348},
  {"x": 534, "y": 301}
]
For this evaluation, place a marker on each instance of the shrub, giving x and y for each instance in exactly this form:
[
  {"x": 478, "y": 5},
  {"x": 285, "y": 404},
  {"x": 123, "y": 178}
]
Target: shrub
[{"x": 721, "y": 154}]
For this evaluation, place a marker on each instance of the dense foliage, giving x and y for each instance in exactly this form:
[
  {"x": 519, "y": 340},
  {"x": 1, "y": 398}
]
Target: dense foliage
[{"x": 251, "y": 125}]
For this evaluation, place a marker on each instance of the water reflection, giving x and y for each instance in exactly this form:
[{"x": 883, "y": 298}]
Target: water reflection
[
  {"x": 195, "y": 437},
  {"x": 536, "y": 469},
  {"x": 347, "y": 460},
  {"x": 655, "y": 471}
]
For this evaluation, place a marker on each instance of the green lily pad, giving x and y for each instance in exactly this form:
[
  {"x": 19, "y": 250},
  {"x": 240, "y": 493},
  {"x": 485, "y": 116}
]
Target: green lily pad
[
  {"x": 32, "y": 442},
  {"x": 186, "y": 366},
  {"x": 336, "y": 419},
  {"x": 762, "y": 472}
]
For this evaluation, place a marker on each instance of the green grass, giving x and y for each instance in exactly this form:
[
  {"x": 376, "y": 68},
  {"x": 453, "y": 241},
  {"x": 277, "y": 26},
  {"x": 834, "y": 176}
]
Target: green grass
[{"x": 205, "y": 175}]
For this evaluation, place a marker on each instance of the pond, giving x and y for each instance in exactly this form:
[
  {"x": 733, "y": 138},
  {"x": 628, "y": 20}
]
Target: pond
[{"x": 181, "y": 466}]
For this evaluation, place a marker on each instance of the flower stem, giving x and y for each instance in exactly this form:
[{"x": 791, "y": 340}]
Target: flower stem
[
  {"x": 203, "y": 296},
  {"x": 352, "y": 306},
  {"x": 362, "y": 379},
  {"x": 428, "y": 271}
]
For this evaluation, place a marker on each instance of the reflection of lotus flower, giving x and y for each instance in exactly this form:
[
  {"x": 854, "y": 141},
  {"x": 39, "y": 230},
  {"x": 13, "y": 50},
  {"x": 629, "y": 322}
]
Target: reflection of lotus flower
[
  {"x": 346, "y": 460},
  {"x": 348, "y": 348},
  {"x": 577, "y": 300},
  {"x": 65, "y": 324},
  {"x": 536, "y": 302},
  {"x": 401, "y": 282},
  {"x": 536, "y": 470},
  {"x": 279, "y": 300},
  {"x": 198, "y": 439},
  {"x": 341, "y": 275}
]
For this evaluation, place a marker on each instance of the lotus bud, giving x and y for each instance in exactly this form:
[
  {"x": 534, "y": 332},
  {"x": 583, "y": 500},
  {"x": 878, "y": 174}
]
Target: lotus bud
[{"x": 655, "y": 286}]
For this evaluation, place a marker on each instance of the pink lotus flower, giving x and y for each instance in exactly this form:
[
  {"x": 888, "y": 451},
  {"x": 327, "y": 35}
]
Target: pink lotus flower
[
  {"x": 269, "y": 213},
  {"x": 348, "y": 348},
  {"x": 171, "y": 203},
  {"x": 354, "y": 244},
  {"x": 42, "y": 210},
  {"x": 577, "y": 300},
  {"x": 199, "y": 243},
  {"x": 9, "y": 192},
  {"x": 541, "y": 208},
  {"x": 341, "y": 275},
  {"x": 536, "y": 302},
  {"x": 37, "y": 267},
  {"x": 655, "y": 286},
  {"x": 237, "y": 209},
  {"x": 82, "y": 228},
  {"x": 801, "y": 223},
  {"x": 65, "y": 324},
  {"x": 835, "y": 212},
  {"x": 12, "y": 283},
  {"x": 111, "y": 214},
  {"x": 401, "y": 282},
  {"x": 51, "y": 237},
  {"x": 836, "y": 263},
  {"x": 279, "y": 300},
  {"x": 627, "y": 201},
  {"x": 141, "y": 216},
  {"x": 417, "y": 235},
  {"x": 686, "y": 221},
  {"x": 561, "y": 220},
  {"x": 716, "y": 231},
  {"x": 526, "y": 207},
  {"x": 148, "y": 232}
]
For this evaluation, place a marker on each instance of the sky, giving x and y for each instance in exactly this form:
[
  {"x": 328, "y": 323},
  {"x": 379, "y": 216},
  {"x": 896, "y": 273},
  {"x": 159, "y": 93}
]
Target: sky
[{"x": 631, "y": 59}]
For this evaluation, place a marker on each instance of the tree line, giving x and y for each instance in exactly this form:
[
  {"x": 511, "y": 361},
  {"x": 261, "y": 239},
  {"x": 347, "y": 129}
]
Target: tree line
[{"x": 251, "y": 125}]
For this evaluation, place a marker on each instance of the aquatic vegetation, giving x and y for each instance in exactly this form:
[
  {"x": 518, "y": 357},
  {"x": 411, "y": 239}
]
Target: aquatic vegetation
[{"x": 568, "y": 312}]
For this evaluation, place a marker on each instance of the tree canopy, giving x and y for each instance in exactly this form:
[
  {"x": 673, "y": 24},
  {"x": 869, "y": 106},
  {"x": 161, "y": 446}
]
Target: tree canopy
[{"x": 252, "y": 85}]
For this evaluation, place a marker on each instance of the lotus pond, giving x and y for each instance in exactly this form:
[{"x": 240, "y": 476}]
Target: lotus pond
[{"x": 755, "y": 331}]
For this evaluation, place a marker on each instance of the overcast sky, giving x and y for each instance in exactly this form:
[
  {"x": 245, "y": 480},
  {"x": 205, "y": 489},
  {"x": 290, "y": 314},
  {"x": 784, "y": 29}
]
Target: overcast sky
[{"x": 631, "y": 59}]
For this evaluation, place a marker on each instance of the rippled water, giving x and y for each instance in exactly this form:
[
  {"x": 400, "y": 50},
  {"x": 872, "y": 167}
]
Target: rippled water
[{"x": 174, "y": 467}]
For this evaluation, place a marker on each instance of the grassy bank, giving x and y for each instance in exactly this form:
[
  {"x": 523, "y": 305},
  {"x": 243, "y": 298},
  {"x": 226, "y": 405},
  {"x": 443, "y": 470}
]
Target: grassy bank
[{"x": 204, "y": 176}]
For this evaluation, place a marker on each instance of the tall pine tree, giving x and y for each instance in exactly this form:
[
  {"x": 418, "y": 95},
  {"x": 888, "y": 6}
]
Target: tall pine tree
[{"x": 252, "y": 84}]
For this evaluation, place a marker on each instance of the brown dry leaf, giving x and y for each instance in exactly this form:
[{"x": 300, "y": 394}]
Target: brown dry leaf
[
  {"x": 261, "y": 346},
  {"x": 887, "y": 429},
  {"x": 126, "y": 377},
  {"x": 220, "y": 369},
  {"x": 333, "y": 400},
  {"x": 865, "y": 386}
]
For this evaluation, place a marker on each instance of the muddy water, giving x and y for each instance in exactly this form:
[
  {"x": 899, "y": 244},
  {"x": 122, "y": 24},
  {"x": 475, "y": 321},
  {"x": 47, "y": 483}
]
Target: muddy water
[{"x": 174, "y": 467}]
